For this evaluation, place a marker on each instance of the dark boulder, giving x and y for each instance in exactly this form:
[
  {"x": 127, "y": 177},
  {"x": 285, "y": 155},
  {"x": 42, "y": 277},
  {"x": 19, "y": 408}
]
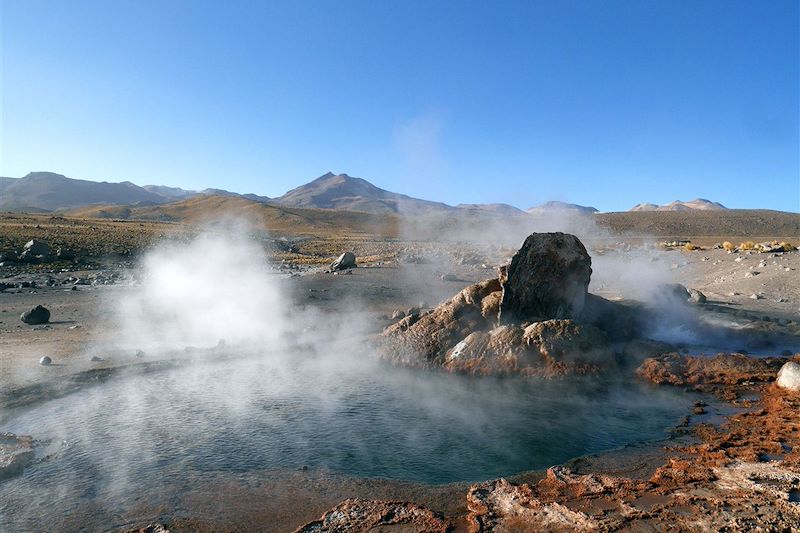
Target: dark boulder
[
  {"x": 343, "y": 262},
  {"x": 37, "y": 315},
  {"x": 36, "y": 251},
  {"x": 548, "y": 278}
]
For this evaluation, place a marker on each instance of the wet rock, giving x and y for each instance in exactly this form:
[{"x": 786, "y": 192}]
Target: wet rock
[
  {"x": 696, "y": 296},
  {"x": 724, "y": 368},
  {"x": 149, "y": 528},
  {"x": 566, "y": 341},
  {"x": 16, "y": 452},
  {"x": 668, "y": 293},
  {"x": 35, "y": 251},
  {"x": 425, "y": 339},
  {"x": 344, "y": 262},
  {"x": 789, "y": 376},
  {"x": 356, "y": 515},
  {"x": 500, "y": 506},
  {"x": 45, "y": 361},
  {"x": 37, "y": 315},
  {"x": 547, "y": 278}
]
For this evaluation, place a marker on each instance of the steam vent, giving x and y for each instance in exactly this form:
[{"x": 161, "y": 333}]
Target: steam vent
[{"x": 536, "y": 318}]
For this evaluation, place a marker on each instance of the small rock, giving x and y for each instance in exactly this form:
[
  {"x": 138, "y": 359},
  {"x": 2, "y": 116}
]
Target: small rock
[
  {"x": 789, "y": 376},
  {"x": 449, "y": 277},
  {"x": 37, "y": 315},
  {"x": 97, "y": 359},
  {"x": 45, "y": 361},
  {"x": 756, "y": 296}
]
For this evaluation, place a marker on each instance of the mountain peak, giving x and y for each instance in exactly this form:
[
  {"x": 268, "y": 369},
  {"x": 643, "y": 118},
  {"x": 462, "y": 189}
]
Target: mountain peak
[{"x": 698, "y": 204}]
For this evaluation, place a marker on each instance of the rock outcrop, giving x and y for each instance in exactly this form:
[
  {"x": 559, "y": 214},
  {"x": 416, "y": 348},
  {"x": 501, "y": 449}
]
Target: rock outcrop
[
  {"x": 547, "y": 278},
  {"x": 536, "y": 319},
  {"x": 724, "y": 368},
  {"x": 16, "y": 452},
  {"x": 356, "y": 515}
]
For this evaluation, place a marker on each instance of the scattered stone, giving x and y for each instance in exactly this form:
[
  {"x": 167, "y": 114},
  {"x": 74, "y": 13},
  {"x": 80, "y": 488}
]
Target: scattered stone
[
  {"x": 96, "y": 359},
  {"x": 548, "y": 278},
  {"x": 45, "y": 361},
  {"x": 789, "y": 376},
  {"x": 756, "y": 296},
  {"x": 37, "y": 315},
  {"x": 139, "y": 353},
  {"x": 449, "y": 277},
  {"x": 344, "y": 262}
]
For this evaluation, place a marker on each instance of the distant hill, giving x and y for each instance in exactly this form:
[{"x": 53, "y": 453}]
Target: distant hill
[
  {"x": 340, "y": 191},
  {"x": 495, "y": 209},
  {"x": 700, "y": 204},
  {"x": 174, "y": 193},
  {"x": 279, "y": 220},
  {"x": 555, "y": 207},
  {"x": 48, "y": 191}
]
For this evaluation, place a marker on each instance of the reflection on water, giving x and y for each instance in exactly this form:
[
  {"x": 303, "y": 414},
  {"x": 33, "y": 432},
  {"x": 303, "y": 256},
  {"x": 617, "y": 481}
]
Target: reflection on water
[{"x": 119, "y": 438}]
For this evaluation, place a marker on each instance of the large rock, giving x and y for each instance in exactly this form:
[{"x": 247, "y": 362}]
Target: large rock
[
  {"x": 789, "y": 376},
  {"x": 343, "y": 262},
  {"x": 37, "y": 315},
  {"x": 566, "y": 341},
  {"x": 36, "y": 250},
  {"x": 422, "y": 340},
  {"x": 548, "y": 278}
]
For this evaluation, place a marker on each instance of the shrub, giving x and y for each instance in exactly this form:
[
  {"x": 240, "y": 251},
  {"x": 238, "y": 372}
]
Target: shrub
[{"x": 728, "y": 246}]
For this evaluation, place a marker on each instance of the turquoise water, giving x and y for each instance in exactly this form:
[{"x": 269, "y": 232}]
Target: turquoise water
[{"x": 362, "y": 419}]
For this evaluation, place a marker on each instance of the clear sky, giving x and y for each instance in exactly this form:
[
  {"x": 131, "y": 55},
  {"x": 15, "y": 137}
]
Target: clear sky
[{"x": 599, "y": 103}]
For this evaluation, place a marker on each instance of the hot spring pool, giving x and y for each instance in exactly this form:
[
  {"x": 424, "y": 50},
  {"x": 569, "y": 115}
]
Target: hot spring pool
[{"x": 366, "y": 420}]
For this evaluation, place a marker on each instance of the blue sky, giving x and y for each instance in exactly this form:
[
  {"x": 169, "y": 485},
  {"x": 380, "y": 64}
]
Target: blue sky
[{"x": 599, "y": 103}]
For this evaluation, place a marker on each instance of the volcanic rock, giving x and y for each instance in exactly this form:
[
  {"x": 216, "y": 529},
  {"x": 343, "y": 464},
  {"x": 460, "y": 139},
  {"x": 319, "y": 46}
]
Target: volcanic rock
[
  {"x": 724, "y": 368},
  {"x": 345, "y": 261},
  {"x": 696, "y": 296},
  {"x": 425, "y": 339},
  {"x": 35, "y": 250},
  {"x": 789, "y": 376},
  {"x": 37, "y": 315},
  {"x": 356, "y": 515},
  {"x": 16, "y": 452},
  {"x": 500, "y": 506},
  {"x": 567, "y": 341},
  {"x": 671, "y": 293},
  {"x": 548, "y": 278}
]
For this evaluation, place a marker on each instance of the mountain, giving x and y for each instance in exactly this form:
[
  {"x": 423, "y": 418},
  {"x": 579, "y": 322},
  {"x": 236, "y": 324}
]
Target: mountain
[
  {"x": 278, "y": 220},
  {"x": 495, "y": 209},
  {"x": 223, "y": 192},
  {"x": 174, "y": 193},
  {"x": 47, "y": 191},
  {"x": 340, "y": 191},
  {"x": 561, "y": 207},
  {"x": 700, "y": 204}
]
